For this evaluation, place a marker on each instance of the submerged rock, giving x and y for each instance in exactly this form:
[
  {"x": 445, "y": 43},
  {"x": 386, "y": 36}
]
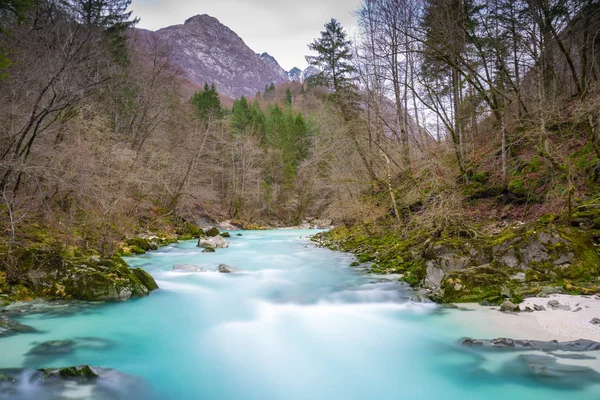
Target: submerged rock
[
  {"x": 208, "y": 250},
  {"x": 52, "y": 347},
  {"x": 548, "y": 367},
  {"x": 225, "y": 269},
  {"x": 187, "y": 268},
  {"x": 9, "y": 327},
  {"x": 215, "y": 242},
  {"x": 552, "y": 345}
]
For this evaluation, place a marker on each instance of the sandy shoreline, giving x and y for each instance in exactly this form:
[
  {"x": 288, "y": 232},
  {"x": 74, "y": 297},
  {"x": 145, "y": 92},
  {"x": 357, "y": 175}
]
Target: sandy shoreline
[{"x": 559, "y": 324}]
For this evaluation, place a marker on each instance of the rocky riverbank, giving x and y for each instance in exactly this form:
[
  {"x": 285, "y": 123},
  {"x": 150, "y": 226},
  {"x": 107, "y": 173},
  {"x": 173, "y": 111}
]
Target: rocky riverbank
[{"x": 523, "y": 260}]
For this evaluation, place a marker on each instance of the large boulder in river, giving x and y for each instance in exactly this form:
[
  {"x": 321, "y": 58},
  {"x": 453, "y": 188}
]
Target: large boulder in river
[
  {"x": 59, "y": 273},
  {"x": 215, "y": 242}
]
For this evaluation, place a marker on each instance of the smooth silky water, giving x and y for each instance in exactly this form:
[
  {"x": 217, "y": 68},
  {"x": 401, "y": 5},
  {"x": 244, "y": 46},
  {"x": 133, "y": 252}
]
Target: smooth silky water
[{"x": 296, "y": 322}]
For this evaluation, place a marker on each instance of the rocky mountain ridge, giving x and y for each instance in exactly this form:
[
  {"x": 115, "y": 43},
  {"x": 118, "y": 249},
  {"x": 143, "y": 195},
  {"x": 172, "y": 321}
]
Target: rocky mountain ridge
[{"x": 207, "y": 51}]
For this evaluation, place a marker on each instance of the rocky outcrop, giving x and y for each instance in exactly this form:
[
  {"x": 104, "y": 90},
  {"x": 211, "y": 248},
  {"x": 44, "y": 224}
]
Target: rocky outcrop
[
  {"x": 515, "y": 263},
  {"x": 61, "y": 273},
  {"x": 538, "y": 258}
]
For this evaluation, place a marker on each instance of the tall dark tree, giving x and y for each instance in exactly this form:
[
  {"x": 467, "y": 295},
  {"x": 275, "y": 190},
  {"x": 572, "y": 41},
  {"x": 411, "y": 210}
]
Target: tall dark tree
[
  {"x": 207, "y": 105},
  {"x": 333, "y": 57},
  {"x": 110, "y": 15}
]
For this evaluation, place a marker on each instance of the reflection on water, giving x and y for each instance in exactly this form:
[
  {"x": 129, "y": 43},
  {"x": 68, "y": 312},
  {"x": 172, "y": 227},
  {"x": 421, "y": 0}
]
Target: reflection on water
[{"x": 294, "y": 322}]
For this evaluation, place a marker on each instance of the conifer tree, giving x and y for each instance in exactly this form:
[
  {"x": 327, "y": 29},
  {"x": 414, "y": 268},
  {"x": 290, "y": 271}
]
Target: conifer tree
[
  {"x": 207, "y": 104},
  {"x": 333, "y": 57}
]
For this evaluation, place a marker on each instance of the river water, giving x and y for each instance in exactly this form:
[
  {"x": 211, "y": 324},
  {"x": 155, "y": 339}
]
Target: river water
[{"x": 294, "y": 322}]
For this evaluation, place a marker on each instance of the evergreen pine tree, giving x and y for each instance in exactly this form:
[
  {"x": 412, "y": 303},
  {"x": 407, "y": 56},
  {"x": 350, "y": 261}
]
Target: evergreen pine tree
[
  {"x": 333, "y": 57},
  {"x": 207, "y": 105}
]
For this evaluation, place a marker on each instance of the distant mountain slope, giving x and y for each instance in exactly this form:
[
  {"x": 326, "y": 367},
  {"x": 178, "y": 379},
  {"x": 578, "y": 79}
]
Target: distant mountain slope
[{"x": 208, "y": 51}]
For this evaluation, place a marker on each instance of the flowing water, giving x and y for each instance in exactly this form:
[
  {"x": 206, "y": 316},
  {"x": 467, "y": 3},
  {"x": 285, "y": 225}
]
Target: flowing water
[{"x": 295, "y": 322}]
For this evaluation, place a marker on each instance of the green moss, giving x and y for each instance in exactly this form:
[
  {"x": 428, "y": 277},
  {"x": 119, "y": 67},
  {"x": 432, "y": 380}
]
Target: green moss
[
  {"x": 226, "y": 234},
  {"x": 212, "y": 232},
  {"x": 136, "y": 250},
  {"x": 145, "y": 278},
  {"x": 474, "y": 285}
]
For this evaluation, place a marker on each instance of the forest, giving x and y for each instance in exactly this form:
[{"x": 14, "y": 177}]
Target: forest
[{"x": 438, "y": 119}]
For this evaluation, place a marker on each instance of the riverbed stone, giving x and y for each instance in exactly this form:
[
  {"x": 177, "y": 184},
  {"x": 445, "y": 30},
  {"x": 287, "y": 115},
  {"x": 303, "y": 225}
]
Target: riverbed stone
[
  {"x": 581, "y": 345},
  {"x": 595, "y": 321},
  {"x": 187, "y": 268},
  {"x": 225, "y": 269},
  {"x": 9, "y": 327},
  {"x": 52, "y": 347},
  {"x": 548, "y": 367}
]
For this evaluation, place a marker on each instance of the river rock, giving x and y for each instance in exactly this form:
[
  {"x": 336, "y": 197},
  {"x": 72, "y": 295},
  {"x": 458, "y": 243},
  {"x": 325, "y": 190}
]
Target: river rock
[
  {"x": 548, "y": 367},
  {"x": 555, "y": 305},
  {"x": 538, "y": 307},
  {"x": 552, "y": 345},
  {"x": 77, "y": 382},
  {"x": 208, "y": 250},
  {"x": 9, "y": 327},
  {"x": 212, "y": 232},
  {"x": 509, "y": 306},
  {"x": 187, "y": 268},
  {"x": 595, "y": 321},
  {"x": 216, "y": 242},
  {"x": 52, "y": 347},
  {"x": 225, "y": 269}
]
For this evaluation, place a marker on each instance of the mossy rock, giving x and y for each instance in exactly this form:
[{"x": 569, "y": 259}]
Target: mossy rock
[
  {"x": 146, "y": 279},
  {"x": 56, "y": 273},
  {"x": 226, "y": 234},
  {"x": 212, "y": 232},
  {"x": 208, "y": 250},
  {"x": 239, "y": 234},
  {"x": 82, "y": 372},
  {"x": 475, "y": 285},
  {"x": 140, "y": 243}
]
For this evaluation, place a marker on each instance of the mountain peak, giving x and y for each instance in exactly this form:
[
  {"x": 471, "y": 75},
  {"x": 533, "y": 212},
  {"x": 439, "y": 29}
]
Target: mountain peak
[
  {"x": 207, "y": 51},
  {"x": 202, "y": 19}
]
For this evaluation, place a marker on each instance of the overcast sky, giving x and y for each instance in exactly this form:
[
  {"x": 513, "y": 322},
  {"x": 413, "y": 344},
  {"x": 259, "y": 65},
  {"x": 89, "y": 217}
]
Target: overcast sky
[{"x": 282, "y": 28}]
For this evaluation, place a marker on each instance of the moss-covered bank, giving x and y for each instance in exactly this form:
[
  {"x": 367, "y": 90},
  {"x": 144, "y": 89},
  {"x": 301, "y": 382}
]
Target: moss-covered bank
[{"x": 519, "y": 261}]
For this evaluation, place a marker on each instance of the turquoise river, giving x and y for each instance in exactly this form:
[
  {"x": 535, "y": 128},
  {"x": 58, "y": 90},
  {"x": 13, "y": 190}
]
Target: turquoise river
[{"x": 294, "y": 322}]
